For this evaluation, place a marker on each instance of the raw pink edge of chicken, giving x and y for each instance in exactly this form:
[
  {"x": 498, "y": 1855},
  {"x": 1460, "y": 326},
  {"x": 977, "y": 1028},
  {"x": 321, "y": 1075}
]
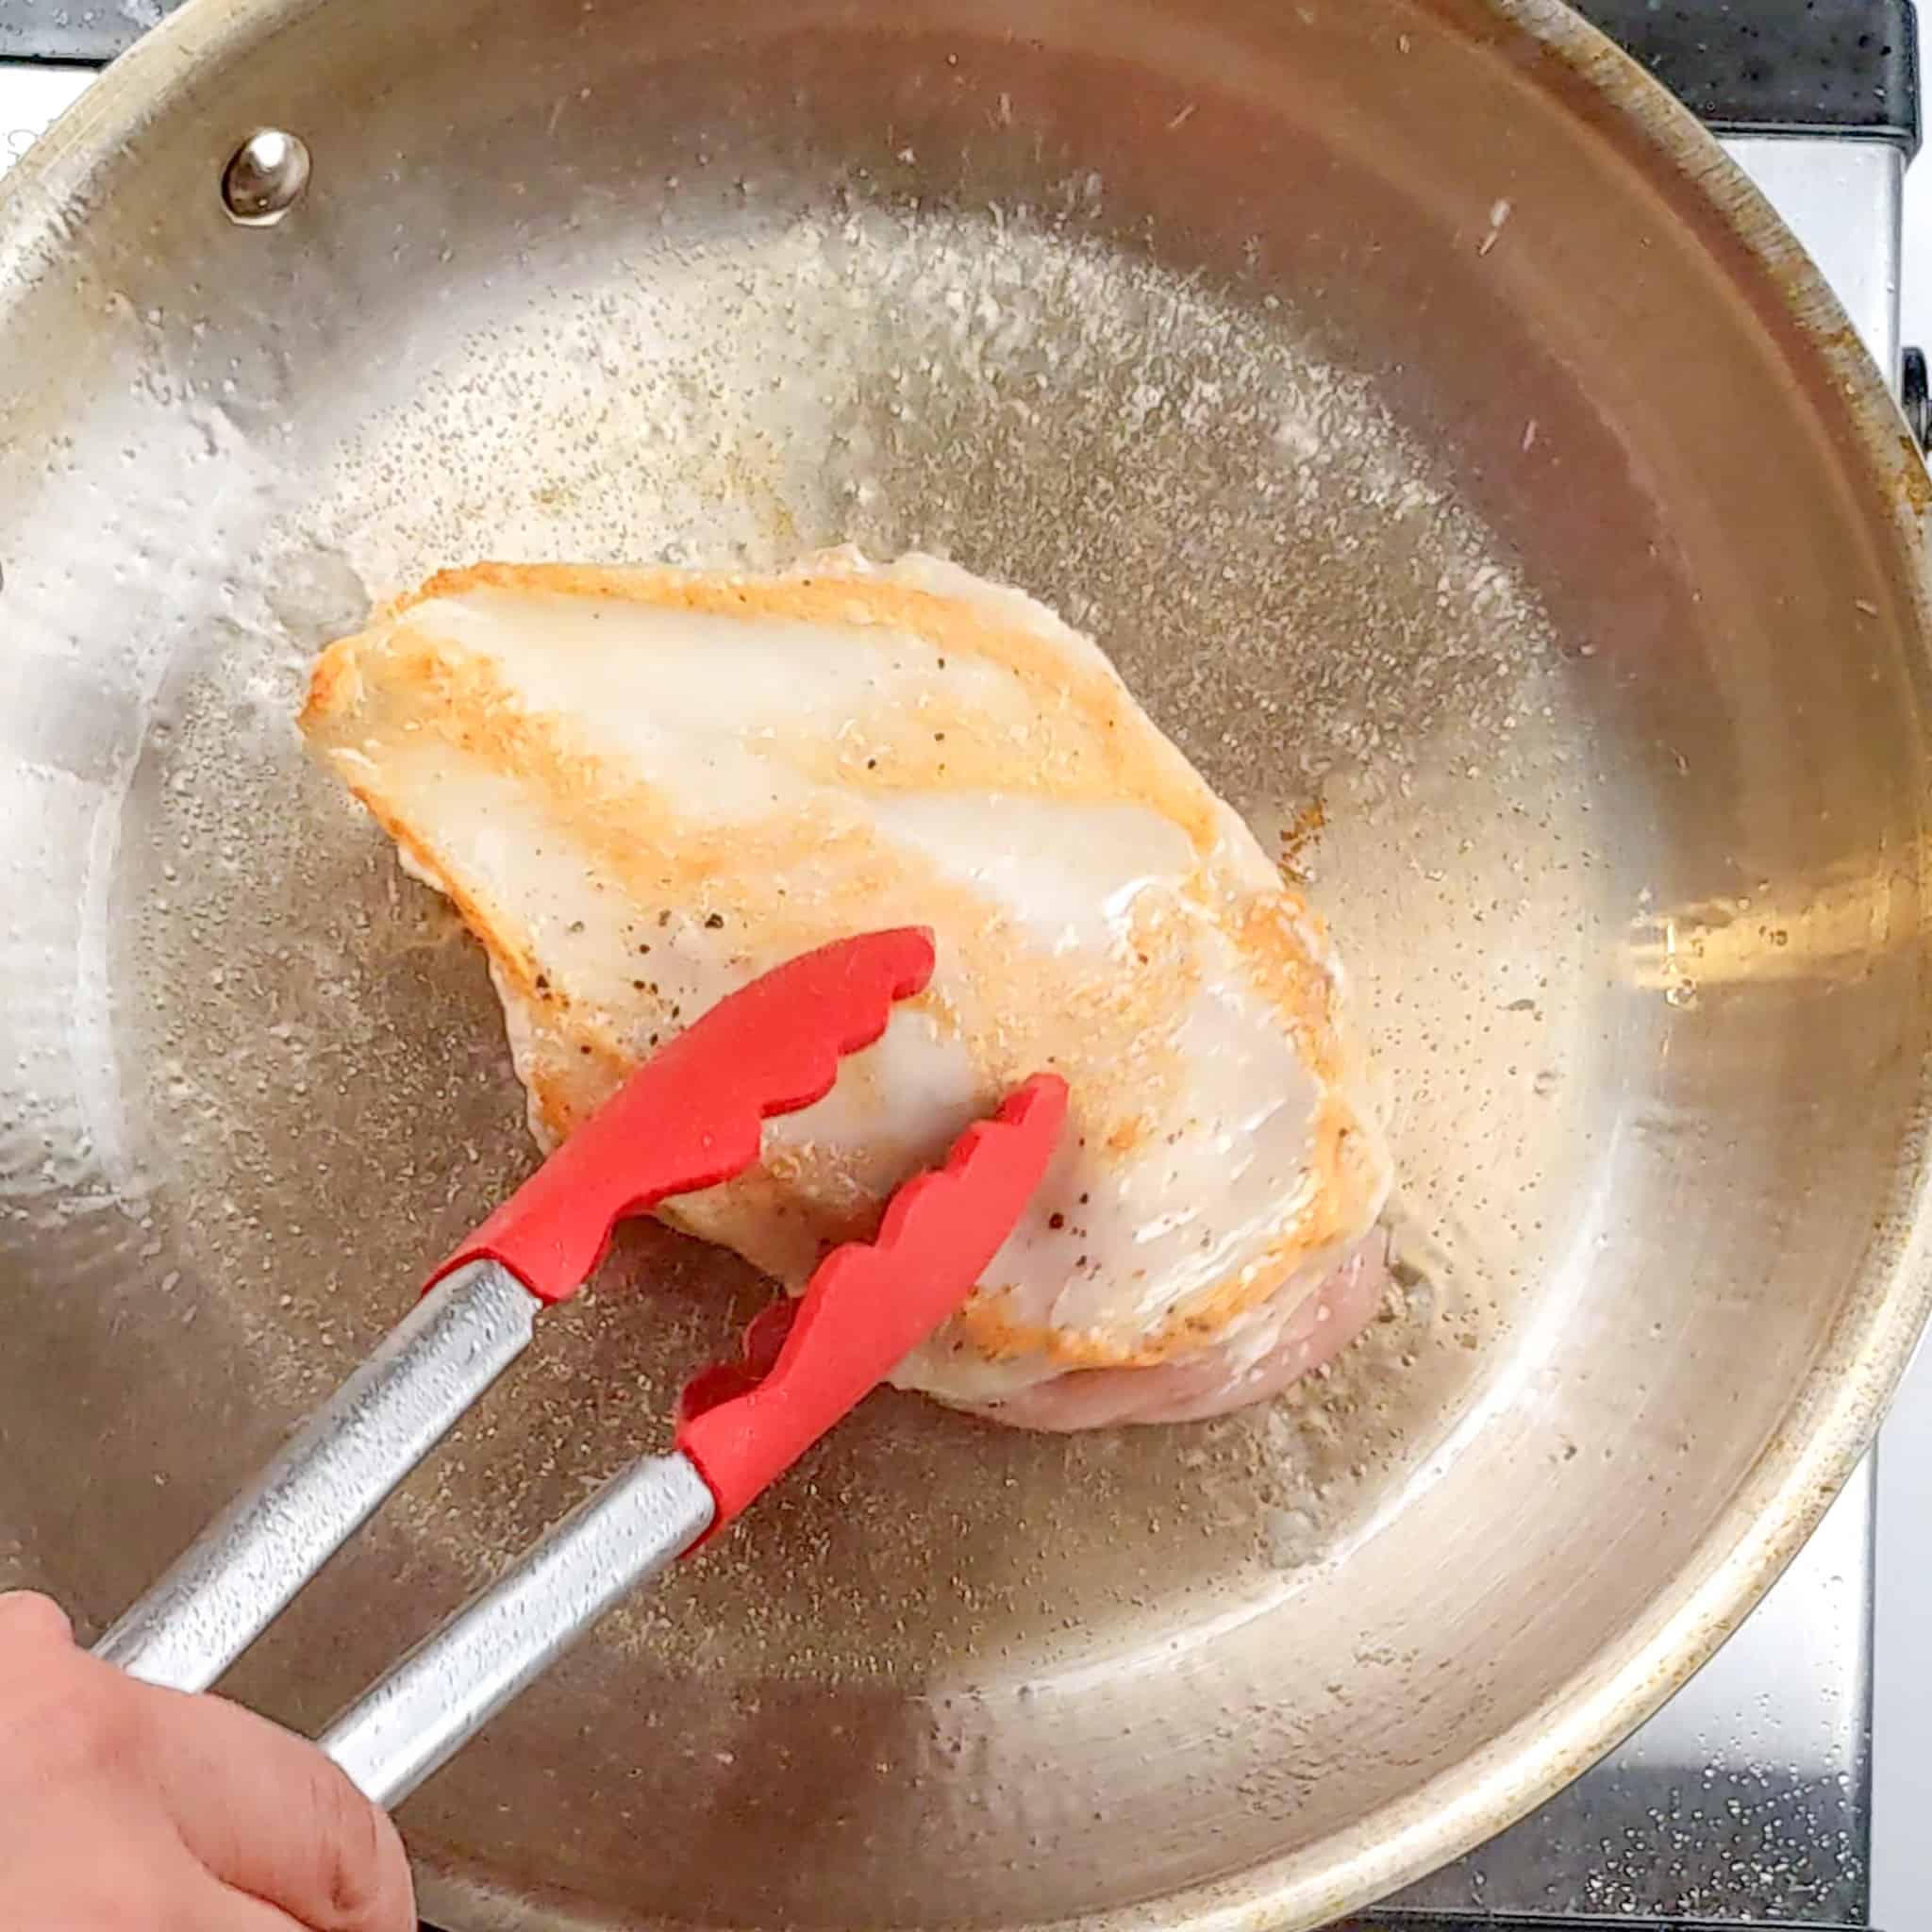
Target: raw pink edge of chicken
[{"x": 1200, "y": 1386}]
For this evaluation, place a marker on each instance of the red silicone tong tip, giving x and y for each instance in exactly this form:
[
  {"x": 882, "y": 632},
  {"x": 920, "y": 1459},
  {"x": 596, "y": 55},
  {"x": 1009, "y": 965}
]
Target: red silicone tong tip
[
  {"x": 690, "y": 1117},
  {"x": 870, "y": 1304}
]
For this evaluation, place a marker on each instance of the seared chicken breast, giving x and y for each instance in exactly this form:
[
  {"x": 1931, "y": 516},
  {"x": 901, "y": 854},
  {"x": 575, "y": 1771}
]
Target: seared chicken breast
[{"x": 643, "y": 787}]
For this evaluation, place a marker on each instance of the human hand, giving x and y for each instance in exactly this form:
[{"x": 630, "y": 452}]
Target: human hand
[{"x": 128, "y": 1808}]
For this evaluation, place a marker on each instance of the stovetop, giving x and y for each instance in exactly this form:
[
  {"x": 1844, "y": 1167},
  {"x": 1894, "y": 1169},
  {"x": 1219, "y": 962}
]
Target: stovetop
[{"x": 1750, "y": 1798}]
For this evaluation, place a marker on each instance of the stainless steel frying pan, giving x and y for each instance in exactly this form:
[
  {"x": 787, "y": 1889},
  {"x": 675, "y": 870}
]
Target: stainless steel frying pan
[{"x": 1436, "y": 429}]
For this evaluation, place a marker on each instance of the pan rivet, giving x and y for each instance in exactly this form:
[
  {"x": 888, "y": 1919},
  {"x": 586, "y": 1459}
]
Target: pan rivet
[{"x": 265, "y": 177}]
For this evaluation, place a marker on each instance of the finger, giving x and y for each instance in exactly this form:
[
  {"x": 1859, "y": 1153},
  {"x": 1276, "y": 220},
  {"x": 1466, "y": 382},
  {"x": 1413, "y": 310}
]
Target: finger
[
  {"x": 186, "y": 1897},
  {"x": 269, "y": 1815},
  {"x": 130, "y": 1880},
  {"x": 222, "y": 1908},
  {"x": 28, "y": 1617}
]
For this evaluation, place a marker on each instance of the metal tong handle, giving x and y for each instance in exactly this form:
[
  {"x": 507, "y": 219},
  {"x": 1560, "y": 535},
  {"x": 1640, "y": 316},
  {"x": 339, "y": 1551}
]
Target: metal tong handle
[
  {"x": 412, "y": 1720},
  {"x": 688, "y": 1117},
  {"x": 739, "y": 1427},
  {"x": 239, "y": 1575},
  {"x": 685, "y": 1120},
  {"x": 334, "y": 1473}
]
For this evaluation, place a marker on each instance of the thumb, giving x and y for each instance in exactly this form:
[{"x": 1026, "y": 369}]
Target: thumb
[{"x": 266, "y": 1813}]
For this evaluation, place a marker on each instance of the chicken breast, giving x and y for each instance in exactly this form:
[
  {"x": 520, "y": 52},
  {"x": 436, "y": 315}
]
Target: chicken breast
[{"x": 643, "y": 787}]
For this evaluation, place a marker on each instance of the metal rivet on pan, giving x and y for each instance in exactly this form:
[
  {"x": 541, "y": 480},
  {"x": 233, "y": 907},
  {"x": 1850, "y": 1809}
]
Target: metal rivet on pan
[{"x": 265, "y": 177}]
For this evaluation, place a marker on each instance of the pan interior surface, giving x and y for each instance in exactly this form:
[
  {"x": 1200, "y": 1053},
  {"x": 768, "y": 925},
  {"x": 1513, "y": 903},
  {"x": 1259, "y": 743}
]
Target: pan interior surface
[{"x": 1442, "y": 476}]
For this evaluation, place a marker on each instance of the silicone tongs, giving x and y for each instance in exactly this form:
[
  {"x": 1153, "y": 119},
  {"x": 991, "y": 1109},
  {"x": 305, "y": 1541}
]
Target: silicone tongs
[{"x": 687, "y": 1119}]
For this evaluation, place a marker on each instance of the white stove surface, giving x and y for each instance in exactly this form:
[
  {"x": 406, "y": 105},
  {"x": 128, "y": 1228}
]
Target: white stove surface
[
  {"x": 31, "y": 95},
  {"x": 1746, "y": 1798},
  {"x": 1902, "y": 1683}
]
